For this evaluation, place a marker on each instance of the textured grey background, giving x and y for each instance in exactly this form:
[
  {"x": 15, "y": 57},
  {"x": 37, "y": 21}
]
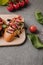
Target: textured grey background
[{"x": 25, "y": 54}]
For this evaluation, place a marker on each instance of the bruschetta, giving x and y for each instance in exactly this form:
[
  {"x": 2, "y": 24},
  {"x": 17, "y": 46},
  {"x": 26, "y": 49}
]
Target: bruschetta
[{"x": 15, "y": 28}]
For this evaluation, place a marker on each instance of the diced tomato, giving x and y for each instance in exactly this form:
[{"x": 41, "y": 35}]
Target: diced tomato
[
  {"x": 19, "y": 17},
  {"x": 10, "y": 31},
  {"x": 17, "y": 20},
  {"x": 14, "y": 26},
  {"x": 11, "y": 23}
]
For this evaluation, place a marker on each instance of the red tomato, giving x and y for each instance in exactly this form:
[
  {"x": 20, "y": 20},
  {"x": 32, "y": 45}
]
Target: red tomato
[
  {"x": 21, "y": 4},
  {"x": 19, "y": 17},
  {"x": 16, "y": 6},
  {"x": 11, "y": 23},
  {"x": 26, "y": 1},
  {"x": 14, "y": 26},
  {"x": 17, "y": 20},
  {"x": 10, "y": 8},
  {"x": 33, "y": 29}
]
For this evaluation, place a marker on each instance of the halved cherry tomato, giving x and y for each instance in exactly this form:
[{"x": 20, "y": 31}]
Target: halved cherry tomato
[
  {"x": 33, "y": 29},
  {"x": 21, "y": 4}
]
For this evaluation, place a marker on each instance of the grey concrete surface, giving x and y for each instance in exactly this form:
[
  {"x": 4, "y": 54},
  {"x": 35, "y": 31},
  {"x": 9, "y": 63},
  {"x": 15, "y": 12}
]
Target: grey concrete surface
[{"x": 25, "y": 54}]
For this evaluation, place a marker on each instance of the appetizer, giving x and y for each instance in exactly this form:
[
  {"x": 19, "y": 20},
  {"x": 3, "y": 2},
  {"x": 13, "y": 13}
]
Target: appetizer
[{"x": 14, "y": 29}]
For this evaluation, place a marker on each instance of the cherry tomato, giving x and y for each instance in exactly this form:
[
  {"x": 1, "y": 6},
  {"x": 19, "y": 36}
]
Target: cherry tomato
[
  {"x": 10, "y": 8},
  {"x": 16, "y": 6},
  {"x": 33, "y": 29},
  {"x": 21, "y": 4},
  {"x": 26, "y": 1}
]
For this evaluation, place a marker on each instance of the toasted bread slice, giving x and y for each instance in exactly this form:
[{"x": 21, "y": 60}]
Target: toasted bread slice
[{"x": 8, "y": 36}]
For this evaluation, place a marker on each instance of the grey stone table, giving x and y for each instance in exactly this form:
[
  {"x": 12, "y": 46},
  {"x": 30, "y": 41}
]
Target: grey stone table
[{"x": 25, "y": 54}]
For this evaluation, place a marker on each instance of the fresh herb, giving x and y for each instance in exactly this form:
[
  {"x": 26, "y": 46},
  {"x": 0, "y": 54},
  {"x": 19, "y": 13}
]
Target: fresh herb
[
  {"x": 35, "y": 40},
  {"x": 39, "y": 17}
]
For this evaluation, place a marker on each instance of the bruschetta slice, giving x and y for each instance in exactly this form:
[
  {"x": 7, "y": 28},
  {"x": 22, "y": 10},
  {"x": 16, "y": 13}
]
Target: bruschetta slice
[{"x": 15, "y": 28}]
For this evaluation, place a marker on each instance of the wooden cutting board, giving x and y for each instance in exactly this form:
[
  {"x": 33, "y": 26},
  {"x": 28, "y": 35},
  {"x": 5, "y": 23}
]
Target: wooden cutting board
[{"x": 17, "y": 41}]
